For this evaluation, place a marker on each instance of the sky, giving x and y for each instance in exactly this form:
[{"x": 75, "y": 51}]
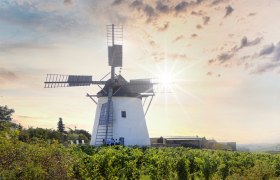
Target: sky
[{"x": 223, "y": 57}]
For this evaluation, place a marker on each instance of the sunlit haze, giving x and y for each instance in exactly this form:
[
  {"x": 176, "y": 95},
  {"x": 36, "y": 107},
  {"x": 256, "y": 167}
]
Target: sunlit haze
[{"x": 218, "y": 63}]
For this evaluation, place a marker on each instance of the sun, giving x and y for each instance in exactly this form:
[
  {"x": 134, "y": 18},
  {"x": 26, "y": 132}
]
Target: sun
[{"x": 166, "y": 82}]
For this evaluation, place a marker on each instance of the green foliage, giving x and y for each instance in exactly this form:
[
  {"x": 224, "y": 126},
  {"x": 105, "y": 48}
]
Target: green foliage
[
  {"x": 36, "y": 158},
  {"x": 4, "y": 125},
  {"x": 79, "y": 135},
  {"x": 6, "y": 113},
  {"x": 28, "y": 135},
  {"x": 80, "y": 131},
  {"x": 181, "y": 170},
  {"x": 39, "y": 160}
]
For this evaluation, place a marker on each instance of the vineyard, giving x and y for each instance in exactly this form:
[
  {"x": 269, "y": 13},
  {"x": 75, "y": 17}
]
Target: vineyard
[{"x": 52, "y": 160}]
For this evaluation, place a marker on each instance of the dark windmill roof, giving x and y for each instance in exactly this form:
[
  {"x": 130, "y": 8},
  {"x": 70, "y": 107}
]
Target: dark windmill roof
[{"x": 123, "y": 88}]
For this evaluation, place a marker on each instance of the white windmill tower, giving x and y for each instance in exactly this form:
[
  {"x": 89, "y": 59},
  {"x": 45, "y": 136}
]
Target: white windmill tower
[{"x": 119, "y": 113}]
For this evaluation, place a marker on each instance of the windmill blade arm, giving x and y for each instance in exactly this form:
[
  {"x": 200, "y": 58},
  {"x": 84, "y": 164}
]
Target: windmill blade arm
[{"x": 58, "y": 80}]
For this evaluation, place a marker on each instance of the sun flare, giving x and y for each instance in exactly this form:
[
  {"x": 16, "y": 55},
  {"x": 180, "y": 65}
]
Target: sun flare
[{"x": 166, "y": 81}]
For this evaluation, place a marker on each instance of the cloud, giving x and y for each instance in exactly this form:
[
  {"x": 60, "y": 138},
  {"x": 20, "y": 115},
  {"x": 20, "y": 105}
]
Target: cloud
[
  {"x": 149, "y": 11},
  {"x": 267, "y": 50},
  {"x": 245, "y": 42},
  {"x": 14, "y": 46},
  {"x": 117, "y": 2},
  {"x": 206, "y": 19},
  {"x": 160, "y": 56},
  {"x": 199, "y": 26},
  {"x": 152, "y": 43},
  {"x": 177, "y": 56},
  {"x": 225, "y": 57},
  {"x": 216, "y": 2},
  {"x": 194, "y": 35},
  {"x": 38, "y": 20},
  {"x": 6, "y": 74},
  {"x": 162, "y": 7},
  {"x": 179, "y": 38},
  {"x": 199, "y": 13},
  {"x": 24, "y": 117},
  {"x": 229, "y": 10},
  {"x": 213, "y": 74},
  {"x": 211, "y": 61},
  {"x": 164, "y": 27},
  {"x": 252, "y": 14},
  {"x": 273, "y": 50},
  {"x": 266, "y": 67},
  {"x": 181, "y": 7},
  {"x": 270, "y": 59},
  {"x": 68, "y": 2},
  {"x": 277, "y": 52},
  {"x": 136, "y": 4},
  {"x": 199, "y": 1}
]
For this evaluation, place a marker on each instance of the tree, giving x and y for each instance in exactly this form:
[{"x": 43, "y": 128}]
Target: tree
[
  {"x": 6, "y": 113},
  {"x": 60, "y": 126}
]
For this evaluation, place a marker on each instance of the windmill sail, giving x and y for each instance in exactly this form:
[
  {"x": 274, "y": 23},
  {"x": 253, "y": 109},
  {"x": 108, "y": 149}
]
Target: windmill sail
[
  {"x": 58, "y": 80},
  {"x": 114, "y": 40},
  {"x": 115, "y": 55},
  {"x": 79, "y": 80},
  {"x": 140, "y": 86}
]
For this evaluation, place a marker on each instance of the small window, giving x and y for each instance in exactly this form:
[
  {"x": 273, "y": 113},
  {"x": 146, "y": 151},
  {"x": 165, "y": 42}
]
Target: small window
[{"x": 124, "y": 114}]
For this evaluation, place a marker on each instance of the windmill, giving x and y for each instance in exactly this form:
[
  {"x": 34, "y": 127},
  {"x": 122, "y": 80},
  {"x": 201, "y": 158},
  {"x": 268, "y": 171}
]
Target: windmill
[{"x": 120, "y": 115}]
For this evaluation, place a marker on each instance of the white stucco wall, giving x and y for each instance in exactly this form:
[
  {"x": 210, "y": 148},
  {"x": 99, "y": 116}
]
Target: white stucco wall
[{"x": 133, "y": 128}]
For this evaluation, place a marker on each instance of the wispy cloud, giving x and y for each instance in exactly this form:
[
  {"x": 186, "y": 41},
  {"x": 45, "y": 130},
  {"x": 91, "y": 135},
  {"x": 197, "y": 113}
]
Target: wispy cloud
[
  {"x": 273, "y": 50},
  {"x": 28, "y": 45},
  {"x": 252, "y": 14},
  {"x": 245, "y": 42},
  {"x": 179, "y": 38},
  {"x": 68, "y": 2},
  {"x": 149, "y": 11},
  {"x": 194, "y": 35},
  {"x": 222, "y": 58},
  {"x": 199, "y": 26},
  {"x": 206, "y": 19},
  {"x": 209, "y": 73},
  {"x": 229, "y": 10},
  {"x": 117, "y": 2},
  {"x": 41, "y": 21},
  {"x": 216, "y": 2},
  {"x": 181, "y": 7},
  {"x": 163, "y": 8},
  {"x": 197, "y": 13},
  {"x": 226, "y": 56},
  {"x": 164, "y": 27},
  {"x": 266, "y": 60},
  {"x": 262, "y": 68},
  {"x": 6, "y": 75},
  {"x": 136, "y": 4},
  {"x": 267, "y": 50}
]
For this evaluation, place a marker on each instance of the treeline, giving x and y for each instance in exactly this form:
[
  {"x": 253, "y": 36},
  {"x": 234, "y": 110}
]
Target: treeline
[{"x": 33, "y": 134}]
